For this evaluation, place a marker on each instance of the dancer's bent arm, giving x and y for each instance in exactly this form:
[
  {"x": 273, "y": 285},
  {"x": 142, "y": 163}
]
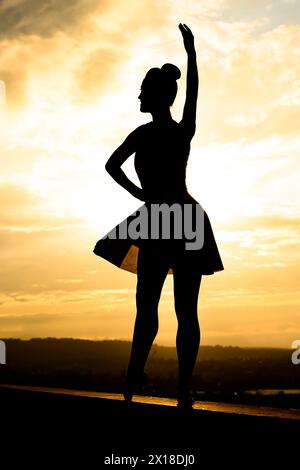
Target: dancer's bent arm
[{"x": 116, "y": 160}]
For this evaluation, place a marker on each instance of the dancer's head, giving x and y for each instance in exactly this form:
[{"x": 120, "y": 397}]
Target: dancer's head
[{"x": 159, "y": 88}]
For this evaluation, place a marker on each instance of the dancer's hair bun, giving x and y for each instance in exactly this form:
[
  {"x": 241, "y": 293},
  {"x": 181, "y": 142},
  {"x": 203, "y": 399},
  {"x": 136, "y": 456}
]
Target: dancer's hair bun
[{"x": 172, "y": 71}]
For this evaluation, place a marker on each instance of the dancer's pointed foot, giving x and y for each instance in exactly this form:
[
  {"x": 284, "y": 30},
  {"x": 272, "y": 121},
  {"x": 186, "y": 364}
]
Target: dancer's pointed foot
[
  {"x": 128, "y": 394},
  {"x": 133, "y": 384},
  {"x": 185, "y": 401}
]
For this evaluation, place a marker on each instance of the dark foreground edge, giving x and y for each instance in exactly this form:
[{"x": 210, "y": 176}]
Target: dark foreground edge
[{"x": 84, "y": 426}]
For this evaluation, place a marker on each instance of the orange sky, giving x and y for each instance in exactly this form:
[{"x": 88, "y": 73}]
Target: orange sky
[{"x": 72, "y": 73}]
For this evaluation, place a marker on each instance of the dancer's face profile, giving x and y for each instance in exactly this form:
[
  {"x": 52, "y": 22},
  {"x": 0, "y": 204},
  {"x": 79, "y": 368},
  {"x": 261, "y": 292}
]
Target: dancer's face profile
[
  {"x": 146, "y": 97},
  {"x": 150, "y": 98}
]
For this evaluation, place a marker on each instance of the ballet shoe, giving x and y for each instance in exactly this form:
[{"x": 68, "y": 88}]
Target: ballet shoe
[
  {"x": 133, "y": 384},
  {"x": 185, "y": 401}
]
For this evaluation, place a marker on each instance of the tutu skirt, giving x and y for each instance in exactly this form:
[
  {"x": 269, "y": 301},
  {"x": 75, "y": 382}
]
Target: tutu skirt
[{"x": 121, "y": 245}]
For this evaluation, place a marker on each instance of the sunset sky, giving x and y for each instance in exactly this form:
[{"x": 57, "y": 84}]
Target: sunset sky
[{"x": 72, "y": 72}]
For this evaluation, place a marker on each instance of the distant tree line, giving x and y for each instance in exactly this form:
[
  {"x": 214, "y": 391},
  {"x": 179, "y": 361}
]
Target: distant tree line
[{"x": 220, "y": 372}]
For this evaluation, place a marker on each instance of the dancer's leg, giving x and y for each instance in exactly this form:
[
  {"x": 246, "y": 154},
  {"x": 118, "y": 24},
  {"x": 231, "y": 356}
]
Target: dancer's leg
[
  {"x": 186, "y": 289},
  {"x": 152, "y": 269}
]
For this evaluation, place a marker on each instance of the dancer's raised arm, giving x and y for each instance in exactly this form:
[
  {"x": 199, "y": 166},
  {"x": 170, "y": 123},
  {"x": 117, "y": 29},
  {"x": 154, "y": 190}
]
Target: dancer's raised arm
[{"x": 192, "y": 81}]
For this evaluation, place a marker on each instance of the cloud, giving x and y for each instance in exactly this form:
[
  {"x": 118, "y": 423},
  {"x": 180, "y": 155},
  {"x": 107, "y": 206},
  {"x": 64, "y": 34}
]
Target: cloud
[
  {"x": 15, "y": 196},
  {"x": 33, "y": 35},
  {"x": 22, "y": 211},
  {"x": 268, "y": 222},
  {"x": 253, "y": 77},
  {"x": 96, "y": 71},
  {"x": 23, "y": 59},
  {"x": 32, "y": 17},
  {"x": 261, "y": 315},
  {"x": 85, "y": 42}
]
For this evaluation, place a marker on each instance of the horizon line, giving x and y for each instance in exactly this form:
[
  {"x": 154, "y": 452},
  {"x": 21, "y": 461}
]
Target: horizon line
[{"x": 129, "y": 341}]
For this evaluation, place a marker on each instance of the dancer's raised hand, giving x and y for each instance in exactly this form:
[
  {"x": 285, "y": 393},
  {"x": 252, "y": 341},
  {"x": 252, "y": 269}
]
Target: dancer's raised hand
[{"x": 188, "y": 38}]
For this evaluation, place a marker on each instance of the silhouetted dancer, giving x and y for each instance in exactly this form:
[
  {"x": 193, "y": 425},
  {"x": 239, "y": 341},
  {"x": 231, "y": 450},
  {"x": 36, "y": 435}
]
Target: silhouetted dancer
[{"x": 161, "y": 150}]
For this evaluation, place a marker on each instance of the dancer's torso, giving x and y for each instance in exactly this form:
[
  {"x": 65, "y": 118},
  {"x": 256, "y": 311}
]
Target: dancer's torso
[{"x": 160, "y": 162}]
